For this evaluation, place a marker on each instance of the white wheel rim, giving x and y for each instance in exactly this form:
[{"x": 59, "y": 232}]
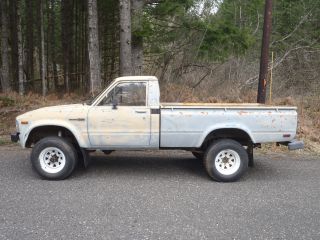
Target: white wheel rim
[
  {"x": 227, "y": 162},
  {"x": 52, "y": 160}
]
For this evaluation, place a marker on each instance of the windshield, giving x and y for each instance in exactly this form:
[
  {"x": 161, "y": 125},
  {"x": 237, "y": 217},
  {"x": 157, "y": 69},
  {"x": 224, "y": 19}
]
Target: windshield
[{"x": 94, "y": 98}]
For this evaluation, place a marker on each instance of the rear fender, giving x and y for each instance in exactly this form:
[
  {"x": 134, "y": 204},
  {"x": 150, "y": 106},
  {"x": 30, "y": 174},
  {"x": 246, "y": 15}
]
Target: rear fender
[{"x": 225, "y": 126}]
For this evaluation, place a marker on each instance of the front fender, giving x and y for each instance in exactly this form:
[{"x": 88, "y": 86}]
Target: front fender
[{"x": 81, "y": 136}]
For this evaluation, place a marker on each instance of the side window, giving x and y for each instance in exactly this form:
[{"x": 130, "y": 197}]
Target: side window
[{"x": 127, "y": 94}]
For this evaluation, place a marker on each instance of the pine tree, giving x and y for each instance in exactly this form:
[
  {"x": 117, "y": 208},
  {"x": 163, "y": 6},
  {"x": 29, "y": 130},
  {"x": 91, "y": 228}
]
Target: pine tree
[
  {"x": 125, "y": 38},
  {"x": 5, "y": 84},
  {"x": 93, "y": 47}
]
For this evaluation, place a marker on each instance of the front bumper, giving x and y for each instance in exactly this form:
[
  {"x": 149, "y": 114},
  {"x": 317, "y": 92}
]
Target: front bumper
[{"x": 15, "y": 137}]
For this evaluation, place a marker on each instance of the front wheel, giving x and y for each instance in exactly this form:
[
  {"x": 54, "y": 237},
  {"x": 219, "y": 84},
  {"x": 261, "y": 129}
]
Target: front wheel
[
  {"x": 226, "y": 160},
  {"x": 53, "y": 158}
]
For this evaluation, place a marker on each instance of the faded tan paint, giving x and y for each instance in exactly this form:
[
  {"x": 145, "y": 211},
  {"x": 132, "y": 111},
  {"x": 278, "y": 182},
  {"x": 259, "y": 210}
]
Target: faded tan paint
[
  {"x": 124, "y": 126},
  {"x": 56, "y": 116}
]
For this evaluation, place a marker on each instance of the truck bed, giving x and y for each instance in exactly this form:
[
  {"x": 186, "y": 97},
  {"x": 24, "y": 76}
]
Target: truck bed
[
  {"x": 224, "y": 105},
  {"x": 187, "y": 124}
]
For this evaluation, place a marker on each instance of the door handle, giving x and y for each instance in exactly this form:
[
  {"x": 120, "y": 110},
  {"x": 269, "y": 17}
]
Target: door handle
[{"x": 140, "y": 111}]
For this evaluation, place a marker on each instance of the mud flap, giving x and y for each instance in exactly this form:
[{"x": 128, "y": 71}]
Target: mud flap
[
  {"x": 86, "y": 158},
  {"x": 250, "y": 155}
]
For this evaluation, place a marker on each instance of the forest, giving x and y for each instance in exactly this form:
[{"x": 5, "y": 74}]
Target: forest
[{"x": 200, "y": 50}]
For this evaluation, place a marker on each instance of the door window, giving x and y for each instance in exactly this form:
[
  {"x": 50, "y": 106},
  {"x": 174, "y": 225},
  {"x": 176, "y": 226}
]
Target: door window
[{"x": 126, "y": 94}]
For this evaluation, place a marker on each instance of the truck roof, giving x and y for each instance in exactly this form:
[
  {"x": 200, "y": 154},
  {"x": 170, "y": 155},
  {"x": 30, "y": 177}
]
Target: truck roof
[{"x": 135, "y": 78}]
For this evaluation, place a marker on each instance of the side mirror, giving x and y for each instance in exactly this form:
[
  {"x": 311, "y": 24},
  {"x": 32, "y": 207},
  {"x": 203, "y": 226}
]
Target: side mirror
[{"x": 114, "y": 103}]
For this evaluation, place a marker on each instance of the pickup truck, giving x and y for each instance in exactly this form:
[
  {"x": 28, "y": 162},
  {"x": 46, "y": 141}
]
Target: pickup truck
[{"x": 128, "y": 115}]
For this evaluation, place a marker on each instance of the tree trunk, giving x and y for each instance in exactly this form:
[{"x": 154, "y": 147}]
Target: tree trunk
[
  {"x": 76, "y": 43},
  {"x": 137, "y": 41},
  {"x": 14, "y": 42},
  {"x": 67, "y": 35},
  {"x": 93, "y": 47},
  {"x": 125, "y": 38},
  {"x": 43, "y": 59},
  {"x": 114, "y": 46},
  {"x": 20, "y": 52},
  {"x": 5, "y": 83},
  {"x": 29, "y": 41},
  {"x": 52, "y": 44},
  {"x": 83, "y": 48}
]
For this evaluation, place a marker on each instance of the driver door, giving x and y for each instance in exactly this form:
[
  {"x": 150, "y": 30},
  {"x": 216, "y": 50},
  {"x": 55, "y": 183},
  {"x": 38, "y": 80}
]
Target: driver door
[{"x": 122, "y": 118}]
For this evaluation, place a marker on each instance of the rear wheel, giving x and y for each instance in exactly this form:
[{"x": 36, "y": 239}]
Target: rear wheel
[
  {"x": 226, "y": 160},
  {"x": 53, "y": 158}
]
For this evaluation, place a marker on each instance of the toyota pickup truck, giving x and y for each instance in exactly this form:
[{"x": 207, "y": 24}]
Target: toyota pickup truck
[{"x": 128, "y": 115}]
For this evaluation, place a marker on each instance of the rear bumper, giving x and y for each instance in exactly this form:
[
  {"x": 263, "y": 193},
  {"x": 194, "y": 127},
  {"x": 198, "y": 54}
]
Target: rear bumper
[
  {"x": 295, "y": 144},
  {"x": 15, "y": 137}
]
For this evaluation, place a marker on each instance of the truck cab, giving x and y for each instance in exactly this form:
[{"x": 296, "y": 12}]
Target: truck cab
[{"x": 126, "y": 115}]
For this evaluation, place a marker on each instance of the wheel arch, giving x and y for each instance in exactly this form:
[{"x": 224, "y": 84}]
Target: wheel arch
[
  {"x": 238, "y": 134},
  {"x": 38, "y": 131}
]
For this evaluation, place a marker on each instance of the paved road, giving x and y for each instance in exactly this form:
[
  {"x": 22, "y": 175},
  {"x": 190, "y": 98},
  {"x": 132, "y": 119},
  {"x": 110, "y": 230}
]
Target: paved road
[{"x": 160, "y": 195}]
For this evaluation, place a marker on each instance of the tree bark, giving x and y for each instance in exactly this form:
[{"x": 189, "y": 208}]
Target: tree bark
[
  {"x": 29, "y": 41},
  {"x": 67, "y": 35},
  {"x": 137, "y": 41},
  {"x": 20, "y": 51},
  {"x": 93, "y": 47},
  {"x": 43, "y": 59},
  {"x": 52, "y": 44},
  {"x": 14, "y": 42},
  {"x": 114, "y": 45},
  {"x": 5, "y": 83},
  {"x": 125, "y": 38}
]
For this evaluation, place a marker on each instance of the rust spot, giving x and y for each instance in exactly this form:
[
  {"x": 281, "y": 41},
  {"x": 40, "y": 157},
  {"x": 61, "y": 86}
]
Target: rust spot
[{"x": 243, "y": 112}]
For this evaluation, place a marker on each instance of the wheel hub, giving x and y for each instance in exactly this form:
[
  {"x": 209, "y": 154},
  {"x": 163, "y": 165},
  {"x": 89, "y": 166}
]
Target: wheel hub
[
  {"x": 227, "y": 161},
  {"x": 52, "y": 160}
]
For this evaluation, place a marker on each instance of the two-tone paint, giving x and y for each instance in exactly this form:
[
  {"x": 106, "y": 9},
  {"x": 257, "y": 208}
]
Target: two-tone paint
[{"x": 159, "y": 125}]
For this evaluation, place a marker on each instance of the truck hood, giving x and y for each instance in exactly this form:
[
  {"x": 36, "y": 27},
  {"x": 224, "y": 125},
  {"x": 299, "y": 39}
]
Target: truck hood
[{"x": 60, "y": 111}]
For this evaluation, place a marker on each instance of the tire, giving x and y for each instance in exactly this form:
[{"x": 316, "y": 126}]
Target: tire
[
  {"x": 198, "y": 155},
  {"x": 54, "y": 158},
  {"x": 226, "y": 160}
]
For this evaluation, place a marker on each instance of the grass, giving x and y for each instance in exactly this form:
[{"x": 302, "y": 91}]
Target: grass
[
  {"x": 5, "y": 140},
  {"x": 6, "y": 101},
  {"x": 12, "y": 105}
]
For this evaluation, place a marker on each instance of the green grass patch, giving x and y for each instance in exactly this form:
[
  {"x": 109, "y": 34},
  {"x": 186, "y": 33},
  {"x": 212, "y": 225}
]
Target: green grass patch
[{"x": 6, "y": 101}]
